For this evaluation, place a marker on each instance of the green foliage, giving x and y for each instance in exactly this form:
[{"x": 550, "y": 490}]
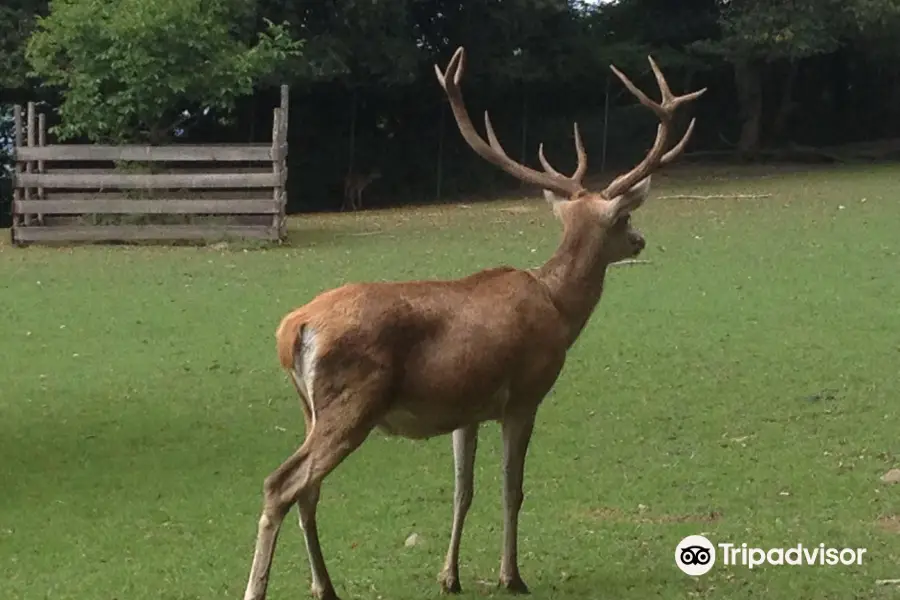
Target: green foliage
[
  {"x": 351, "y": 41},
  {"x": 7, "y": 132},
  {"x": 128, "y": 69},
  {"x": 6, "y": 163},
  {"x": 772, "y": 29},
  {"x": 874, "y": 13},
  {"x": 17, "y": 18},
  {"x": 876, "y": 26}
]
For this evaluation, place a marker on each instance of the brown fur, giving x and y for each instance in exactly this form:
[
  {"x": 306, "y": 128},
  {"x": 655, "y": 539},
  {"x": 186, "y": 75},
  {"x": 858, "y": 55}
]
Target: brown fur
[
  {"x": 286, "y": 336},
  {"x": 425, "y": 358},
  {"x": 416, "y": 338}
]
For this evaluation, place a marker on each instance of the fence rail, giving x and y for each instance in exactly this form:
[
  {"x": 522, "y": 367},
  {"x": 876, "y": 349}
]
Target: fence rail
[
  {"x": 140, "y": 233},
  {"x": 149, "y": 181},
  {"x": 131, "y": 206},
  {"x": 74, "y": 152},
  {"x": 226, "y": 190}
]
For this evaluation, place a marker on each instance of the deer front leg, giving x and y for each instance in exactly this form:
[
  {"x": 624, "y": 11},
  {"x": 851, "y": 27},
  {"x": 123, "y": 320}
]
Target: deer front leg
[
  {"x": 516, "y": 435},
  {"x": 465, "y": 442}
]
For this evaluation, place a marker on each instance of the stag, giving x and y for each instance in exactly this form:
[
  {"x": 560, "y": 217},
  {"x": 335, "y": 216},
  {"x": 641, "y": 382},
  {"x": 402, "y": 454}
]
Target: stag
[{"x": 420, "y": 359}]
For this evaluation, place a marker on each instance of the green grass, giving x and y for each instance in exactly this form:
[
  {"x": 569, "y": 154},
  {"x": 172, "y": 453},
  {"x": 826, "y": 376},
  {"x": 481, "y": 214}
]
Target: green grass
[{"x": 749, "y": 371}]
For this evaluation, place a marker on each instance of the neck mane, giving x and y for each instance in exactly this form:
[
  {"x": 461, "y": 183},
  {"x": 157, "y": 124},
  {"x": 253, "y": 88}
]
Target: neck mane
[{"x": 574, "y": 274}]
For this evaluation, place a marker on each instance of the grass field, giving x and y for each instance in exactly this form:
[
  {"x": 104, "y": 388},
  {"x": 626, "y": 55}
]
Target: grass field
[{"x": 743, "y": 384}]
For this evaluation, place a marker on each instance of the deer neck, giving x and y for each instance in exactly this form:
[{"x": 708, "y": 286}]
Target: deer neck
[{"x": 574, "y": 274}]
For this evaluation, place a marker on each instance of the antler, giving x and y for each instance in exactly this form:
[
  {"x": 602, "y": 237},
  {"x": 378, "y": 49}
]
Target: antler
[
  {"x": 493, "y": 152},
  {"x": 665, "y": 111}
]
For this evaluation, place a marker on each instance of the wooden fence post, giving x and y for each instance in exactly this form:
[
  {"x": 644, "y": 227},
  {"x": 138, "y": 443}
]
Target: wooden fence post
[
  {"x": 278, "y": 190},
  {"x": 42, "y": 141},
  {"x": 284, "y": 123},
  {"x": 29, "y": 166},
  {"x": 17, "y": 193}
]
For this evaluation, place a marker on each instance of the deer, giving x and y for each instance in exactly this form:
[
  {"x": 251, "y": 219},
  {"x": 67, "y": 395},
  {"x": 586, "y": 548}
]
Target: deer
[
  {"x": 354, "y": 186},
  {"x": 425, "y": 358}
]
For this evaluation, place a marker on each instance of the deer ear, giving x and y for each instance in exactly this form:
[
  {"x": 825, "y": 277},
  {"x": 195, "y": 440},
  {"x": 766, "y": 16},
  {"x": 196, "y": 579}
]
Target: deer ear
[
  {"x": 554, "y": 201},
  {"x": 632, "y": 199}
]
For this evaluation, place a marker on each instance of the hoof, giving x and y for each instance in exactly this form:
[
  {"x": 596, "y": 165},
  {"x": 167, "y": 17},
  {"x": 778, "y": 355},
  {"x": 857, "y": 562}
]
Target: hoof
[
  {"x": 449, "y": 583},
  {"x": 327, "y": 594},
  {"x": 514, "y": 585}
]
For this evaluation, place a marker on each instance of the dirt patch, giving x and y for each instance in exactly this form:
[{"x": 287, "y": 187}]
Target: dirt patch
[
  {"x": 890, "y": 524},
  {"x": 619, "y": 516},
  {"x": 517, "y": 210}
]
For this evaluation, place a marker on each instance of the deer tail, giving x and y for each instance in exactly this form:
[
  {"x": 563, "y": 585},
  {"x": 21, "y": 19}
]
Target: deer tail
[{"x": 287, "y": 336}]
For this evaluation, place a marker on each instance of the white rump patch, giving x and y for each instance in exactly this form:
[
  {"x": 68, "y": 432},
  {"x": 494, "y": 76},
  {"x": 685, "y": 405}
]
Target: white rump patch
[{"x": 304, "y": 371}]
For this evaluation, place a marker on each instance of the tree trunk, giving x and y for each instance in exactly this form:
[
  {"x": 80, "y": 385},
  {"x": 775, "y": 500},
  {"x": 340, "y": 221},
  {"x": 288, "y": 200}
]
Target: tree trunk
[
  {"x": 786, "y": 104},
  {"x": 523, "y": 149},
  {"x": 748, "y": 81},
  {"x": 440, "y": 156},
  {"x": 352, "y": 141}
]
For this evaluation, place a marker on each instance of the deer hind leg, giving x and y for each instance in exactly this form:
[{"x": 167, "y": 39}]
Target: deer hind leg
[
  {"x": 465, "y": 443},
  {"x": 333, "y": 436},
  {"x": 517, "y": 431}
]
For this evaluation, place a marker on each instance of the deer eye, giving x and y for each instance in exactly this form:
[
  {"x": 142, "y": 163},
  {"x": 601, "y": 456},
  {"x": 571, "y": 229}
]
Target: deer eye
[{"x": 623, "y": 222}]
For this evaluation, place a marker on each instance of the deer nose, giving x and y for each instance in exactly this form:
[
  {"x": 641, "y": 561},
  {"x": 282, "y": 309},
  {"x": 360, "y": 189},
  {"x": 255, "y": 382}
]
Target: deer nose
[{"x": 639, "y": 243}]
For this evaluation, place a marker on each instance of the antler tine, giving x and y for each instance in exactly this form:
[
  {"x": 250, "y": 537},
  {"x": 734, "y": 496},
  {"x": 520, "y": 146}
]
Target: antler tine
[
  {"x": 664, "y": 111},
  {"x": 641, "y": 96},
  {"x": 673, "y": 152},
  {"x": 580, "y": 170},
  {"x": 664, "y": 90},
  {"x": 492, "y": 151},
  {"x": 678, "y": 148},
  {"x": 670, "y": 99},
  {"x": 579, "y": 148},
  {"x": 455, "y": 67},
  {"x": 492, "y": 137},
  {"x": 624, "y": 181},
  {"x": 545, "y": 163},
  {"x": 577, "y": 176}
]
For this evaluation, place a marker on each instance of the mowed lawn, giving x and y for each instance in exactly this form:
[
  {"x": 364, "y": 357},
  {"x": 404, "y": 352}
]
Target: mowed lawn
[{"x": 743, "y": 384}]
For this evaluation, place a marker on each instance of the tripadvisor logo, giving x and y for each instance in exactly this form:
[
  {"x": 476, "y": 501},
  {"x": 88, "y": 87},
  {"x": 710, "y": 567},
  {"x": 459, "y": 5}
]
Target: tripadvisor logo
[{"x": 695, "y": 555}]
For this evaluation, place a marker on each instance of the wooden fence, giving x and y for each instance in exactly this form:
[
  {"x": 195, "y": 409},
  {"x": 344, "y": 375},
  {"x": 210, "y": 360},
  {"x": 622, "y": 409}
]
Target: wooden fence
[{"x": 128, "y": 193}]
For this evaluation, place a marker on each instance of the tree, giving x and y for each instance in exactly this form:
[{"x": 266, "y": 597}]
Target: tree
[
  {"x": 767, "y": 41},
  {"x": 17, "y": 18},
  {"x": 754, "y": 37},
  {"x": 135, "y": 70}
]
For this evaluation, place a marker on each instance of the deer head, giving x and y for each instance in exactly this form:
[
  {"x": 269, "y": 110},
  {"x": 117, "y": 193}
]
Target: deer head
[{"x": 604, "y": 215}]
